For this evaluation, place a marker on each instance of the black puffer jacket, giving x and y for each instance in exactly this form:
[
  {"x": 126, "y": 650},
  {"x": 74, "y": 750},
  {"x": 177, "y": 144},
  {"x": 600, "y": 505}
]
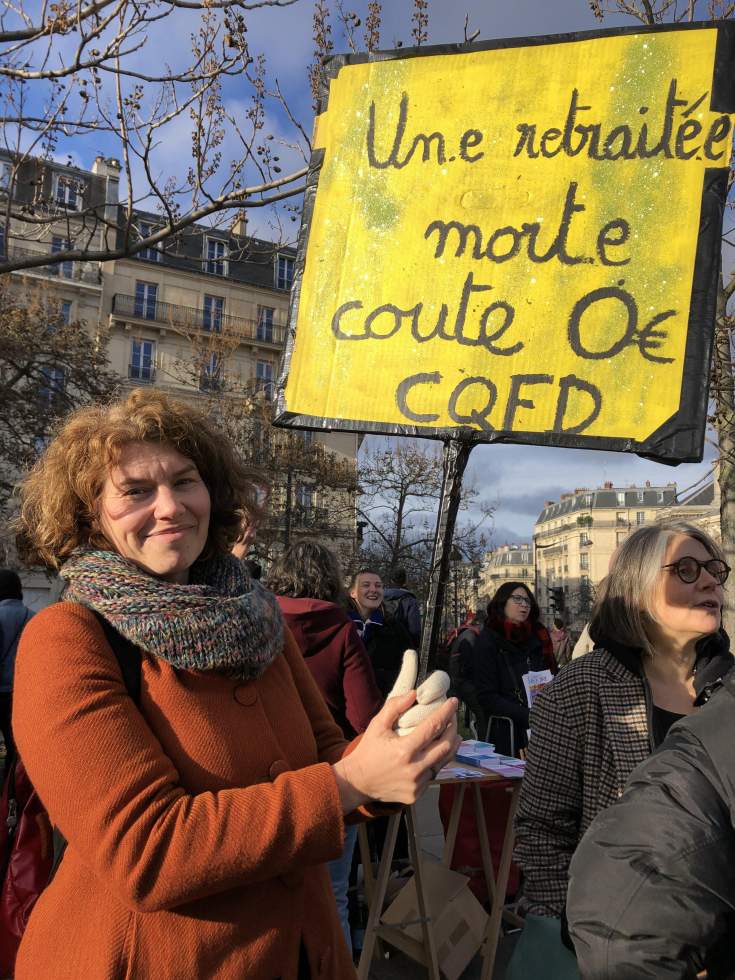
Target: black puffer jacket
[{"x": 652, "y": 885}]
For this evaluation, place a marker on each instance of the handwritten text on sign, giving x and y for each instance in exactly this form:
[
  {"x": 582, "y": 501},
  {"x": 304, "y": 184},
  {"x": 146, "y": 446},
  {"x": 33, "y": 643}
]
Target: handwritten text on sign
[{"x": 506, "y": 239}]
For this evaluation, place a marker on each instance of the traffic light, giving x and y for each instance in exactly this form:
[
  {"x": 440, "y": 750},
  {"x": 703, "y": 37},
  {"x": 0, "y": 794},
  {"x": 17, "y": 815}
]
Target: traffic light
[{"x": 556, "y": 598}]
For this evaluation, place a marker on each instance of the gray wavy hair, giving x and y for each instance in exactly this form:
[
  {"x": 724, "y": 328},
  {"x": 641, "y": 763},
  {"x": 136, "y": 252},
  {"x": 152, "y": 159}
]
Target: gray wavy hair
[{"x": 624, "y": 606}]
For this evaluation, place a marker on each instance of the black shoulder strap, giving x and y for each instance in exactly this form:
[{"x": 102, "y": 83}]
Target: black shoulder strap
[
  {"x": 129, "y": 658},
  {"x": 127, "y": 655}
]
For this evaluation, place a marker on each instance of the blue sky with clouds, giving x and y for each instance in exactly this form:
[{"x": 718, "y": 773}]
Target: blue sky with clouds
[{"x": 515, "y": 479}]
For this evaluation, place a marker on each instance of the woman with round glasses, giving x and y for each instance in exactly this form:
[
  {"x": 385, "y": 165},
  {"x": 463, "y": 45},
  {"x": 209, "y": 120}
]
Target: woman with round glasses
[
  {"x": 659, "y": 651},
  {"x": 512, "y": 642}
]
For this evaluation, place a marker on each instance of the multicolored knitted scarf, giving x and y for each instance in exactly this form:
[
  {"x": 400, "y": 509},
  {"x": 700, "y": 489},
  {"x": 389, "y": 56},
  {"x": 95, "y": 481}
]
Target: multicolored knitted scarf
[{"x": 221, "y": 620}]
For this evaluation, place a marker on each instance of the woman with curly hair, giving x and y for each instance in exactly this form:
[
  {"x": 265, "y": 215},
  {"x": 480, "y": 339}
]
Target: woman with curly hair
[
  {"x": 308, "y": 585},
  {"x": 199, "y": 817}
]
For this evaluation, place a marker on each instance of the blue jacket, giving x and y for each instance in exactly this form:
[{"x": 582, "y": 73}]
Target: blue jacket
[{"x": 13, "y": 617}]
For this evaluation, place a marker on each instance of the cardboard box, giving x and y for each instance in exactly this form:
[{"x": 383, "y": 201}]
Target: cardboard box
[{"x": 458, "y": 921}]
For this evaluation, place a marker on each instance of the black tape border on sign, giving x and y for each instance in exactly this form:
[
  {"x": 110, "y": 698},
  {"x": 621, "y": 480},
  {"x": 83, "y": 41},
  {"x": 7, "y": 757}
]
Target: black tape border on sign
[{"x": 681, "y": 438}]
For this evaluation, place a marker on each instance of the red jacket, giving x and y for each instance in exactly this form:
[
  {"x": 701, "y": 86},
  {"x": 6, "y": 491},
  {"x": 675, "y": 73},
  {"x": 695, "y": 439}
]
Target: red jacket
[{"x": 337, "y": 659}]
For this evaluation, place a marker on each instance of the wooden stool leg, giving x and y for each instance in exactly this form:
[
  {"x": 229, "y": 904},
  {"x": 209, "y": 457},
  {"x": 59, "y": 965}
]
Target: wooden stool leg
[
  {"x": 368, "y": 876},
  {"x": 487, "y": 861},
  {"x": 493, "y": 927},
  {"x": 424, "y": 912},
  {"x": 453, "y": 826},
  {"x": 376, "y": 907}
]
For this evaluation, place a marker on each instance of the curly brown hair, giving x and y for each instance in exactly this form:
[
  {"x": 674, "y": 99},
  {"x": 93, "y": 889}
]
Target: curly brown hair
[
  {"x": 59, "y": 497},
  {"x": 306, "y": 570}
]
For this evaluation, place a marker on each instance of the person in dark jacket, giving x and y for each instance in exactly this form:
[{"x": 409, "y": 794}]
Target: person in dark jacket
[
  {"x": 385, "y": 637},
  {"x": 512, "y": 643},
  {"x": 403, "y": 605},
  {"x": 461, "y": 672},
  {"x": 652, "y": 885},
  {"x": 307, "y": 583},
  {"x": 13, "y": 617}
]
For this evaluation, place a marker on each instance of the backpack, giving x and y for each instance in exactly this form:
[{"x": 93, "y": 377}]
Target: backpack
[
  {"x": 30, "y": 849},
  {"x": 456, "y": 668}
]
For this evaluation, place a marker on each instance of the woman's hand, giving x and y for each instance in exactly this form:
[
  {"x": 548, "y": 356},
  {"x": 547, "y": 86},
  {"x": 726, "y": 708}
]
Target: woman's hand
[{"x": 392, "y": 769}]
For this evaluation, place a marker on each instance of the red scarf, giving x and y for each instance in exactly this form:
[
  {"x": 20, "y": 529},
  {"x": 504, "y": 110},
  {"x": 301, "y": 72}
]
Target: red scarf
[{"x": 521, "y": 633}]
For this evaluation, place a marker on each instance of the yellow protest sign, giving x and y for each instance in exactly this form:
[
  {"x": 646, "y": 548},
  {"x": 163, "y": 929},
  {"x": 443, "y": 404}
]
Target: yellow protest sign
[{"x": 519, "y": 239}]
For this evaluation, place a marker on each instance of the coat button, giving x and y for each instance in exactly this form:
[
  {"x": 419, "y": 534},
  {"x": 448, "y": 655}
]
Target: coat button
[
  {"x": 246, "y": 694},
  {"x": 278, "y": 768}
]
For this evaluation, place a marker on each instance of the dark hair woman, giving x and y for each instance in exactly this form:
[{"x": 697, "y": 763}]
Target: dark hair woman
[
  {"x": 308, "y": 583},
  {"x": 200, "y": 818},
  {"x": 512, "y": 643}
]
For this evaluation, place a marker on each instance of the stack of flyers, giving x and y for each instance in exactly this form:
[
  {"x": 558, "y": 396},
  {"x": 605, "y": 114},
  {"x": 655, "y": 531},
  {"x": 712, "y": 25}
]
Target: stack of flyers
[
  {"x": 507, "y": 766},
  {"x": 473, "y": 753},
  {"x": 483, "y": 754}
]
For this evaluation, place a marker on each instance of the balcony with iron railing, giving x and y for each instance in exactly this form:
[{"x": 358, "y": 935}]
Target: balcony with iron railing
[
  {"x": 86, "y": 272},
  {"x": 190, "y": 318},
  {"x": 142, "y": 373}
]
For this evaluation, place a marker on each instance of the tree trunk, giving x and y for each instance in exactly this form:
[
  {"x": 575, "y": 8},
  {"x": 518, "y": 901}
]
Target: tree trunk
[{"x": 724, "y": 399}]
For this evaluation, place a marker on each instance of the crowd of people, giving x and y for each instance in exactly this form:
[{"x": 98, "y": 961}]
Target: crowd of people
[{"x": 210, "y": 811}]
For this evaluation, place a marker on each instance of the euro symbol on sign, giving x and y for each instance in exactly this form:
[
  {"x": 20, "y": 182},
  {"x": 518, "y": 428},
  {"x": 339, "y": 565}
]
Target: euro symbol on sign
[{"x": 647, "y": 339}]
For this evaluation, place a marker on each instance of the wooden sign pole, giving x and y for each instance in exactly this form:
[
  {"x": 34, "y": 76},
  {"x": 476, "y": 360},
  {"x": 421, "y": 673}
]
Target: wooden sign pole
[{"x": 456, "y": 454}]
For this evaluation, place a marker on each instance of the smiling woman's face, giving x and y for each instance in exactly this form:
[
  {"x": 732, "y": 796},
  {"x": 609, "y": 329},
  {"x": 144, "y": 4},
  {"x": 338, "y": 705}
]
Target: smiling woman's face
[
  {"x": 686, "y": 610},
  {"x": 154, "y": 509}
]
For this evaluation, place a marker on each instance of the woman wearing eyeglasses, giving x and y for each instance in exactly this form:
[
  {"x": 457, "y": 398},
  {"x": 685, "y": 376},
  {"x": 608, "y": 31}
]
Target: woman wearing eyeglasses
[
  {"x": 512, "y": 643},
  {"x": 659, "y": 653}
]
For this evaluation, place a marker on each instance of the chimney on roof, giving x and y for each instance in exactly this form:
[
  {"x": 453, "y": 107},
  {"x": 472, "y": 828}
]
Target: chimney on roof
[
  {"x": 608, "y": 485},
  {"x": 239, "y": 227},
  {"x": 549, "y": 503},
  {"x": 648, "y": 483},
  {"x": 109, "y": 169}
]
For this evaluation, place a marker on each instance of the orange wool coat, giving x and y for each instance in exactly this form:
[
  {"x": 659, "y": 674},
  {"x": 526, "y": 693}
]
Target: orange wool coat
[{"x": 197, "y": 825}]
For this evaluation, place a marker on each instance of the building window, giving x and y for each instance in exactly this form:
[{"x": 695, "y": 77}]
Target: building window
[
  {"x": 640, "y": 517},
  {"x": 214, "y": 308},
  {"x": 142, "y": 360},
  {"x": 6, "y": 173},
  {"x": 68, "y": 192},
  {"x": 52, "y": 385},
  {"x": 146, "y": 295},
  {"x": 584, "y": 561},
  {"x": 264, "y": 378},
  {"x": 620, "y": 496},
  {"x": 584, "y": 540},
  {"x": 621, "y": 518},
  {"x": 305, "y": 500},
  {"x": 620, "y": 537},
  {"x": 65, "y": 268},
  {"x": 265, "y": 324},
  {"x": 284, "y": 272},
  {"x": 151, "y": 253},
  {"x": 210, "y": 378},
  {"x": 216, "y": 263}
]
